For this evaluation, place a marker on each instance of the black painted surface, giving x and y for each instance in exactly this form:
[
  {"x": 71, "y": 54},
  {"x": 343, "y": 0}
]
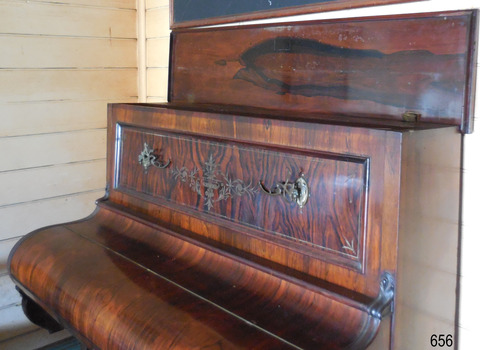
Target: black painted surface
[{"x": 188, "y": 10}]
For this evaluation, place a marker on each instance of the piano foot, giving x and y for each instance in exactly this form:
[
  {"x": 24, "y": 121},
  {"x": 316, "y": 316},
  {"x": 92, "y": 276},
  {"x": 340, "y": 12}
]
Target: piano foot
[{"x": 39, "y": 316}]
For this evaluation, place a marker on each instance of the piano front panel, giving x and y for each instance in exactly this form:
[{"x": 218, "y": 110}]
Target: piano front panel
[
  {"x": 255, "y": 186},
  {"x": 213, "y": 177}
]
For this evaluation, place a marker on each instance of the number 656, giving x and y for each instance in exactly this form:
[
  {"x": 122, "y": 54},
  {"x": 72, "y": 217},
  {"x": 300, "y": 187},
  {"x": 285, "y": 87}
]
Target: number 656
[{"x": 441, "y": 340}]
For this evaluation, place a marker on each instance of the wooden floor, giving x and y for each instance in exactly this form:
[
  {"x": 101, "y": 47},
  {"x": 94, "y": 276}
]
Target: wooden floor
[{"x": 36, "y": 340}]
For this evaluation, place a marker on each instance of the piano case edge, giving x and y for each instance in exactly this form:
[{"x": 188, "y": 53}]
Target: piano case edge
[{"x": 82, "y": 298}]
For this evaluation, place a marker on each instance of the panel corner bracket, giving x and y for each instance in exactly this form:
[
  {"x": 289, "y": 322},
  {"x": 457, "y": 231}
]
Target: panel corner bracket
[{"x": 382, "y": 305}]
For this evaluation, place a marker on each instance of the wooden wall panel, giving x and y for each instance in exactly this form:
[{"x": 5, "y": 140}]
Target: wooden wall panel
[
  {"x": 157, "y": 52},
  {"x": 64, "y": 61},
  {"x": 49, "y": 18},
  {"x": 157, "y": 86},
  {"x": 157, "y": 49},
  {"x": 50, "y": 149},
  {"x": 149, "y": 4},
  {"x": 418, "y": 322},
  {"x": 39, "y": 117},
  {"x": 51, "y": 181},
  {"x": 5, "y": 248},
  {"x": 80, "y": 18},
  {"x": 117, "y": 4},
  {"x": 420, "y": 271},
  {"x": 66, "y": 84},
  {"x": 157, "y": 22},
  {"x": 469, "y": 304},
  {"x": 20, "y": 219},
  {"x": 66, "y": 52}
]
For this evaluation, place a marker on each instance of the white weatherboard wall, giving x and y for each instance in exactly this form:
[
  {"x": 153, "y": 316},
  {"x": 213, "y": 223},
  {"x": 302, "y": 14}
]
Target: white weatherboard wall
[
  {"x": 469, "y": 327},
  {"x": 61, "y": 62},
  {"x": 157, "y": 49}
]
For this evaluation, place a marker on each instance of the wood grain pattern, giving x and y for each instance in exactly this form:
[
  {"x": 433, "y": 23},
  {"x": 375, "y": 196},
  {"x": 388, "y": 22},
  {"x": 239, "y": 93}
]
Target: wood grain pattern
[
  {"x": 100, "y": 273},
  {"x": 222, "y": 179},
  {"x": 347, "y": 141},
  {"x": 154, "y": 252},
  {"x": 387, "y": 66}
]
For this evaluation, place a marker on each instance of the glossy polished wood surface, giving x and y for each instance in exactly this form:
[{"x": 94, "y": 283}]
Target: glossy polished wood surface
[
  {"x": 122, "y": 284},
  {"x": 116, "y": 304},
  {"x": 379, "y": 67},
  {"x": 230, "y": 180},
  {"x": 167, "y": 264},
  {"x": 331, "y": 214}
]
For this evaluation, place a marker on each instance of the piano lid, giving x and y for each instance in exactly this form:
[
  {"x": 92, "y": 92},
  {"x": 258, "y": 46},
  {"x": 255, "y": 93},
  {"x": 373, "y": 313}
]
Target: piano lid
[{"x": 396, "y": 67}]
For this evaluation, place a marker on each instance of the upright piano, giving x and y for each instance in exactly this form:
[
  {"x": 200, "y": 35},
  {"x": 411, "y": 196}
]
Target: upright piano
[{"x": 286, "y": 197}]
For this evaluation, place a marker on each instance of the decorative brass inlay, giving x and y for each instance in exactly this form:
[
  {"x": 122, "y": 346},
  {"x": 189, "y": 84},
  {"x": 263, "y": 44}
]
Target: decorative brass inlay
[
  {"x": 146, "y": 158},
  {"x": 297, "y": 191},
  {"x": 225, "y": 186},
  {"x": 349, "y": 246}
]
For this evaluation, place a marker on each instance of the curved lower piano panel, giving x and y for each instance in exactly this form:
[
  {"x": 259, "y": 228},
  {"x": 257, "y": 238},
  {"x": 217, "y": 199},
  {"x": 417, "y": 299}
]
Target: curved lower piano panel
[{"x": 98, "y": 280}]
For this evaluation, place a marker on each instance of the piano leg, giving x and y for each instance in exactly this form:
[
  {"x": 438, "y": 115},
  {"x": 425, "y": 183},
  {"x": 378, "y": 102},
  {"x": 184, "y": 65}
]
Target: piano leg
[{"x": 38, "y": 316}]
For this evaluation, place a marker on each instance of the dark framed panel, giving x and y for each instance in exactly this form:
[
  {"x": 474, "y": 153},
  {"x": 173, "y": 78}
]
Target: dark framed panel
[
  {"x": 192, "y": 13},
  {"x": 386, "y": 68}
]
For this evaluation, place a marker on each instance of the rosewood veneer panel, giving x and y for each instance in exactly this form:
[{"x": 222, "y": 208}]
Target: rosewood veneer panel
[
  {"x": 228, "y": 180},
  {"x": 345, "y": 167},
  {"x": 366, "y": 67},
  {"x": 117, "y": 291}
]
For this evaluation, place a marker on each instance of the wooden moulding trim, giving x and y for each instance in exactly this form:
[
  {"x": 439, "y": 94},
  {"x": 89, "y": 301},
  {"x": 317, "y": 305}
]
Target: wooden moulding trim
[
  {"x": 469, "y": 112},
  {"x": 331, "y": 5}
]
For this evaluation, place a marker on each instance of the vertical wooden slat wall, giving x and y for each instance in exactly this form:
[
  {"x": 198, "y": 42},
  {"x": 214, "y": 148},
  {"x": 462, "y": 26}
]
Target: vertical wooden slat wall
[
  {"x": 157, "y": 44},
  {"x": 60, "y": 64}
]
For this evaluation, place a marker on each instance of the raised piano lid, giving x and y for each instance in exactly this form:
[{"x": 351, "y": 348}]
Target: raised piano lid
[{"x": 377, "y": 67}]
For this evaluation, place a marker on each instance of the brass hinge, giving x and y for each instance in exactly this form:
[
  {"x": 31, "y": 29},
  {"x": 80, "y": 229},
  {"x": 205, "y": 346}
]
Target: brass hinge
[{"x": 411, "y": 117}]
